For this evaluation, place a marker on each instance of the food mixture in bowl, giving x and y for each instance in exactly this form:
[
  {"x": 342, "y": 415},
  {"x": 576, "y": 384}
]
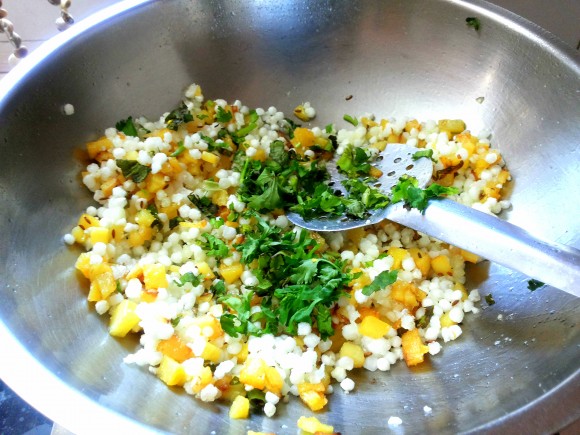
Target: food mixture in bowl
[{"x": 188, "y": 245}]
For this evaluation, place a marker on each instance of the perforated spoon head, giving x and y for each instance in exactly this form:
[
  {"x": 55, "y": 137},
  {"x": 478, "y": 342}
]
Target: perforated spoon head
[{"x": 394, "y": 162}]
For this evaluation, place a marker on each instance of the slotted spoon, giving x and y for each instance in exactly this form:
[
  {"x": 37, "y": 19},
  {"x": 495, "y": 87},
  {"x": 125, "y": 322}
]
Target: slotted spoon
[{"x": 467, "y": 228}]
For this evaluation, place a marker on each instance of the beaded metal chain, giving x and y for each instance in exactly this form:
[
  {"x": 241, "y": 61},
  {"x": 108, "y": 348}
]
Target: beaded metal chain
[{"x": 64, "y": 21}]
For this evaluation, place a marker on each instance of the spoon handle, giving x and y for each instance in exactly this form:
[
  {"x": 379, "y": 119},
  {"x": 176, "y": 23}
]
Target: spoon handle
[{"x": 495, "y": 240}]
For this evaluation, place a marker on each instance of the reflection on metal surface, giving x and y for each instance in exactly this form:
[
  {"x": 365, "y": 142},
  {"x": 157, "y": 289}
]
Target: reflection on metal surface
[{"x": 395, "y": 57}]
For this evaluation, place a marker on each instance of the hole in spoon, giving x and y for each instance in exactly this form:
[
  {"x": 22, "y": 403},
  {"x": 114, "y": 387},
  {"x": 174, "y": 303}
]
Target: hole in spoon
[
  {"x": 377, "y": 185},
  {"x": 379, "y": 158},
  {"x": 411, "y": 166},
  {"x": 397, "y": 160},
  {"x": 390, "y": 174}
]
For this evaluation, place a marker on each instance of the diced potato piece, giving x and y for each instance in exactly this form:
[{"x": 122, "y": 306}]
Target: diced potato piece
[
  {"x": 105, "y": 282},
  {"x": 154, "y": 276},
  {"x": 211, "y": 353},
  {"x": 171, "y": 372},
  {"x": 123, "y": 318},
  {"x": 307, "y": 386},
  {"x": 356, "y": 234},
  {"x": 210, "y": 157},
  {"x": 208, "y": 321},
  {"x": 274, "y": 381},
  {"x": 453, "y": 126},
  {"x": 231, "y": 273},
  {"x": 243, "y": 354},
  {"x": 314, "y": 399},
  {"x": 79, "y": 234},
  {"x": 361, "y": 281},
  {"x": 240, "y": 408},
  {"x": 204, "y": 269},
  {"x": 446, "y": 321},
  {"x": 313, "y": 425},
  {"x": 398, "y": 254},
  {"x": 373, "y": 327},
  {"x": 469, "y": 257},
  {"x": 174, "y": 348},
  {"x": 137, "y": 238},
  {"x": 98, "y": 146},
  {"x": 88, "y": 221},
  {"x": 83, "y": 264},
  {"x": 144, "y": 218},
  {"x": 202, "y": 380},
  {"x": 353, "y": 351},
  {"x": 100, "y": 234},
  {"x": 254, "y": 373},
  {"x": 407, "y": 293},
  {"x": 421, "y": 259},
  {"x": 303, "y": 138},
  {"x": 413, "y": 348},
  {"x": 441, "y": 265},
  {"x": 260, "y": 155},
  {"x": 220, "y": 197},
  {"x": 155, "y": 182}
]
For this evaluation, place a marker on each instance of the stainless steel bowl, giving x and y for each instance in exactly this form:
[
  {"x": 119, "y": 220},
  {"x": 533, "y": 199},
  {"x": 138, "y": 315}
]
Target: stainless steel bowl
[{"x": 400, "y": 58}]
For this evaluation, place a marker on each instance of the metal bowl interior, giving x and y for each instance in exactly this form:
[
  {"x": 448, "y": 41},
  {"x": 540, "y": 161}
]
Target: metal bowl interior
[{"x": 396, "y": 58}]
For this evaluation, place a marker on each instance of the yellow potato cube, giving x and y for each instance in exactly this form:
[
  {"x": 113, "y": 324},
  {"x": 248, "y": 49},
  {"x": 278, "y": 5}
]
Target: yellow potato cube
[
  {"x": 353, "y": 351},
  {"x": 446, "y": 321},
  {"x": 407, "y": 293},
  {"x": 204, "y": 269},
  {"x": 231, "y": 273},
  {"x": 398, "y": 254},
  {"x": 100, "y": 234},
  {"x": 98, "y": 146},
  {"x": 154, "y": 276},
  {"x": 171, "y": 372},
  {"x": 413, "y": 348},
  {"x": 453, "y": 126},
  {"x": 254, "y": 373},
  {"x": 210, "y": 157},
  {"x": 303, "y": 138},
  {"x": 240, "y": 408},
  {"x": 421, "y": 259},
  {"x": 469, "y": 257},
  {"x": 313, "y": 425},
  {"x": 373, "y": 327},
  {"x": 274, "y": 381},
  {"x": 105, "y": 282},
  {"x": 144, "y": 218},
  {"x": 220, "y": 197},
  {"x": 123, "y": 318},
  {"x": 83, "y": 264},
  {"x": 441, "y": 265},
  {"x": 202, "y": 380},
  {"x": 88, "y": 221},
  {"x": 211, "y": 353},
  {"x": 314, "y": 399},
  {"x": 155, "y": 182}
]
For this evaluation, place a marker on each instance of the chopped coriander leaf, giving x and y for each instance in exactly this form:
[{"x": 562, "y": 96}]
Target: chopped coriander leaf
[
  {"x": 300, "y": 283},
  {"x": 354, "y": 162},
  {"x": 406, "y": 190},
  {"x": 489, "y": 299},
  {"x": 218, "y": 288},
  {"x": 219, "y": 145},
  {"x": 202, "y": 116},
  {"x": 223, "y": 115},
  {"x": 133, "y": 169},
  {"x": 127, "y": 127},
  {"x": 239, "y": 323},
  {"x": 180, "y": 149},
  {"x": 426, "y": 318},
  {"x": 350, "y": 120},
  {"x": 215, "y": 247},
  {"x": 383, "y": 279},
  {"x": 175, "y": 321},
  {"x": 423, "y": 153},
  {"x": 244, "y": 131},
  {"x": 156, "y": 222},
  {"x": 216, "y": 222},
  {"x": 177, "y": 117},
  {"x": 204, "y": 204},
  {"x": 534, "y": 284},
  {"x": 473, "y": 22},
  {"x": 189, "y": 277},
  {"x": 173, "y": 222},
  {"x": 329, "y": 128},
  {"x": 290, "y": 127}
]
